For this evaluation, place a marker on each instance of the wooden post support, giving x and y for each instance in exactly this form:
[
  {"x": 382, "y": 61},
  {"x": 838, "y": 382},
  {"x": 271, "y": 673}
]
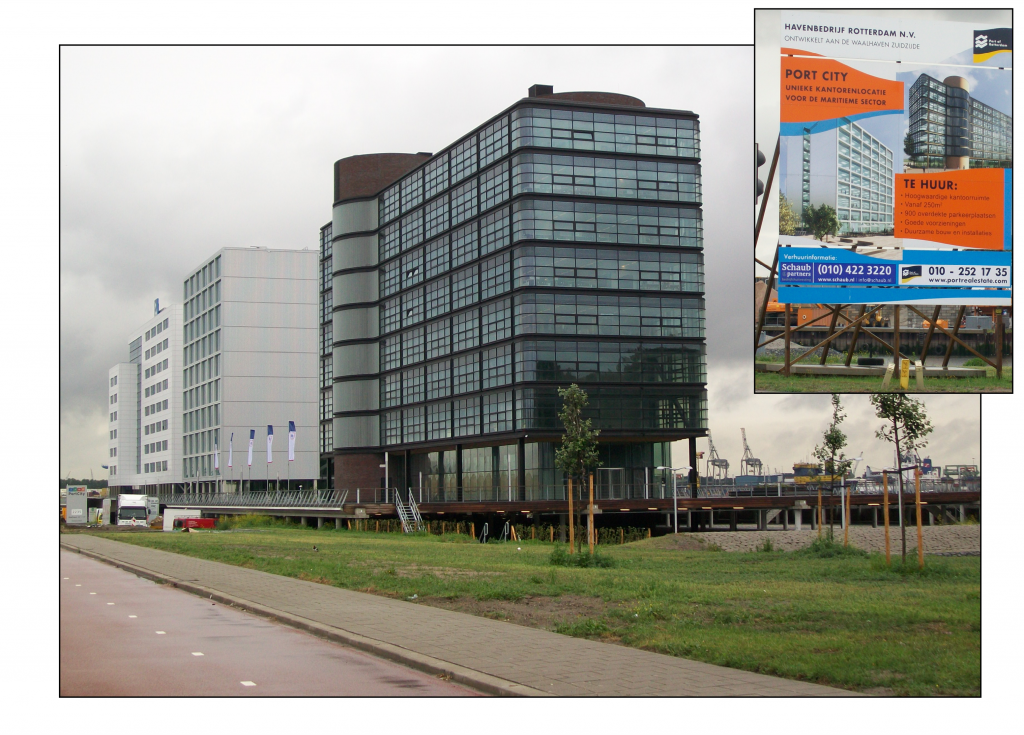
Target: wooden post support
[
  {"x": 856, "y": 334},
  {"x": 785, "y": 366},
  {"x": 572, "y": 537},
  {"x": 533, "y": 533},
  {"x": 819, "y": 511},
  {"x": 931, "y": 331},
  {"x": 917, "y": 501},
  {"x": 956, "y": 331},
  {"x": 885, "y": 502},
  {"x": 831, "y": 331},
  {"x": 590, "y": 515},
  {"x": 999, "y": 342},
  {"x": 551, "y": 529},
  {"x": 919, "y": 374},
  {"x": 896, "y": 334}
]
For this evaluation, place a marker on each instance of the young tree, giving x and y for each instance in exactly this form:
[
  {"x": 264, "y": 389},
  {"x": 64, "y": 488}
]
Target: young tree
[
  {"x": 578, "y": 452},
  {"x": 908, "y": 145},
  {"x": 906, "y": 425},
  {"x": 787, "y": 217},
  {"x": 822, "y": 221},
  {"x": 830, "y": 453}
]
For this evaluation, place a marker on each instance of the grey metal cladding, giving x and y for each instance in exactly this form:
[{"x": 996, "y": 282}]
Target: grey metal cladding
[
  {"x": 272, "y": 339},
  {"x": 358, "y": 395},
  {"x": 356, "y": 360},
  {"x": 273, "y": 290},
  {"x": 247, "y": 313},
  {"x": 352, "y": 217},
  {"x": 356, "y": 431},
  {"x": 356, "y": 288},
  {"x": 356, "y": 323},
  {"x": 270, "y": 364},
  {"x": 355, "y": 252}
]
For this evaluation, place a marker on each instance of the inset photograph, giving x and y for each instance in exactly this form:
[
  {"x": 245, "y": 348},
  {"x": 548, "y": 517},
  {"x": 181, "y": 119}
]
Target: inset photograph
[{"x": 883, "y": 238}]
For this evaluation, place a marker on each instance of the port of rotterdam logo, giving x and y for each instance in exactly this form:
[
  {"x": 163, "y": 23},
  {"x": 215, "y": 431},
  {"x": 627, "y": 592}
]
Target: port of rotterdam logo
[{"x": 909, "y": 272}]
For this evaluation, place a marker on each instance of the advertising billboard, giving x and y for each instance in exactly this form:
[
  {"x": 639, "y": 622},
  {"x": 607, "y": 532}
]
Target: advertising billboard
[{"x": 895, "y": 161}]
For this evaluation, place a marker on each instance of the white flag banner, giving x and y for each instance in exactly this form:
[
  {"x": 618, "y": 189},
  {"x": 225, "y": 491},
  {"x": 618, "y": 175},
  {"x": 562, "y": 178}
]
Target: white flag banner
[
  {"x": 216, "y": 456},
  {"x": 270, "y": 443},
  {"x": 230, "y": 442},
  {"x": 252, "y": 437},
  {"x": 291, "y": 441}
]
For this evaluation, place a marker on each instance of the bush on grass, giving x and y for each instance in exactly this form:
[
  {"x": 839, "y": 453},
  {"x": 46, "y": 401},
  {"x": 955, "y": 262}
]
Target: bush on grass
[
  {"x": 250, "y": 520},
  {"x": 826, "y": 547},
  {"x": 561, "y": 558}
]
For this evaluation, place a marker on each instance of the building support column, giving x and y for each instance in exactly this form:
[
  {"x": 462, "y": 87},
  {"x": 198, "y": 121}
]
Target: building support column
[
  {"x": 521, "y": 468},
  {"x": 337, "y": 524},
  {"x": 693, "y": 467},
  {"x": 458, "y": 472},
  {"x": 319, "y": 522},
  {"x": 732, "y": 520},
  {"x": 785, "y": 519}
]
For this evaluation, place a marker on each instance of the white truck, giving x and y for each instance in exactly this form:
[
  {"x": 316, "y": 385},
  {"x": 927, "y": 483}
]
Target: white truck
[{"x": 131, "y": 510}]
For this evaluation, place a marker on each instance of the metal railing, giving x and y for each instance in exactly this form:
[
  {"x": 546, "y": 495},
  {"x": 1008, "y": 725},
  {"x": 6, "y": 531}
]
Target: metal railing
[{"x": 304, "y": 499}]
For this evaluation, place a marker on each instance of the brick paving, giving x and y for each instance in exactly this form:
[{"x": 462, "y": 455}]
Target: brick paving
[
  {"x": 492, "y": 655},
  {"x": 937, "y": 539}
]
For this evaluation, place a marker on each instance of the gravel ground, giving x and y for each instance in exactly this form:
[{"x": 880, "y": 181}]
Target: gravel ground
[{"x": 948, "y": 540}]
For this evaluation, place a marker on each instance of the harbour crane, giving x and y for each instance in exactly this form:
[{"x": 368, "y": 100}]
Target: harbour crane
[
  {"x": 750, "y": 464},
  {"x": 717, "y": 468}
]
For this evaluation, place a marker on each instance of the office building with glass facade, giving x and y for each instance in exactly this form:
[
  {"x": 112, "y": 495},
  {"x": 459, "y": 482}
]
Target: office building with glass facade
[
  {"x": 559, "y": 242},
  {"x": 846, "y": 168},
  {"x": 949, "y": 129}
]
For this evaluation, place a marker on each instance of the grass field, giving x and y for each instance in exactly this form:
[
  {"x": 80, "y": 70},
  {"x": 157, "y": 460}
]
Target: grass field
[
  {"x": 844, "y": 621},
  {"x": 777, "y": 383}
]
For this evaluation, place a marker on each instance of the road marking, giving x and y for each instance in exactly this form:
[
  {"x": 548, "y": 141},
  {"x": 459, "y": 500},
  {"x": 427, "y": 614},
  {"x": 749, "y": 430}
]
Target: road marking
[
  {"x": 78, "y": 585},
  {"x": 160, "y": 632},
  {"x": 133, "y": 616},
  {"x": 110, "y": 603},
  {"x": 92, "y": 593},
  {"x": 248, "y": 683},
  {"x": 196, "y": 653}
]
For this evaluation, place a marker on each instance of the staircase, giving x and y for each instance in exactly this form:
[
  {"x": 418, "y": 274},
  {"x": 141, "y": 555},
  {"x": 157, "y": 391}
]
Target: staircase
[{"x": 409, "y": 514}]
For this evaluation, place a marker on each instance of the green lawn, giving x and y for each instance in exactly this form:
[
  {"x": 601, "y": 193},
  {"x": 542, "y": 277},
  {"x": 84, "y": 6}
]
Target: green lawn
[
  {"x": 841, "y": 621},
  {"x": 777, "y": 383}
]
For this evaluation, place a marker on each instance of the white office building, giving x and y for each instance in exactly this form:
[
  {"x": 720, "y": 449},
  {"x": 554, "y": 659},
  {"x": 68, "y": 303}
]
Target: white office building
[
  {"x": 144, "y": 397},
  {"x": 249, "y": 356},
  {"x": 848, "y": 169}
]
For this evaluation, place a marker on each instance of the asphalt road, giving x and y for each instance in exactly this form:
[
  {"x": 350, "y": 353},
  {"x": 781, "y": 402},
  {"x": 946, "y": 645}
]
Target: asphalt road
[{"x": 121, "y": 635}]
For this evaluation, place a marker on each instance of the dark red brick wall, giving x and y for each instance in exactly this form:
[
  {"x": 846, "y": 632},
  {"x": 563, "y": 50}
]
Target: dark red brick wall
[
  {"x": 599, "y": 98},
  {"x": 364, "y": 176},
  {"x": 357, "y": 470}
]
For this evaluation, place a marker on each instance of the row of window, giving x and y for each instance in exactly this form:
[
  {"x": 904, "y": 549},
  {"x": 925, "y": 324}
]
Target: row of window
[
  {"x": 563, "y": 362},
  {"x": 155, "y": 407},
  {"x": 113, "y": 381},
  {"x": 156, "y": 467},
  {"x": 113, "y": 417},
  {"x": 201, "y": 279},
  {"x": 546, "y": 313},
  {"x": 465, "y": 330},
  {"x": 589, "y": 131},
  {"x": 206, "y": 322},
  {"x": 202, "y": 371},
  {"x": 326, "y": 437},
  {"x": 544, "y": 128},
  {"x": 113, "y": 398},
  {"x": 326, "y": 234},
  {"x": 618, "y": 408},
  {"x": 199, "y": 466},
  {"x": 620, "y": 224},
  {"x": 326, "y": 372},
  {"x": 637, "y": 180},
  {"x": 113, "y": 433},
  {"x": 205, "y": 439},
  {"x": 612, "y": 178},
  {"x": 160, "y": 327},
  {"x": 203, "y": 347},
  {"x": 157, "y": 348},
  {"x": 612, "y": 269},
  {"x": 153, "y": 428},
  {"x": 202, "y": 395},
  {"x": 156, "y": 388},
  {"x": 155, "y": 447},
  {"x": 112, "y": 452},
  {"x": 158, "y": 368}
]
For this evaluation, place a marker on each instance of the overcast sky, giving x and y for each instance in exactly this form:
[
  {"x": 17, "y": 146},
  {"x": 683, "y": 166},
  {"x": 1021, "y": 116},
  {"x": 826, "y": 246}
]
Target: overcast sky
[{"x": 168, "y": 154}]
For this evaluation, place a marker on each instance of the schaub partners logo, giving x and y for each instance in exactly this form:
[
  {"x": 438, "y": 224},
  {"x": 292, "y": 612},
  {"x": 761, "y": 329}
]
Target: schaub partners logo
[
  {"x": 991, "y": 42},
  {"x": 909, "y": 273}
]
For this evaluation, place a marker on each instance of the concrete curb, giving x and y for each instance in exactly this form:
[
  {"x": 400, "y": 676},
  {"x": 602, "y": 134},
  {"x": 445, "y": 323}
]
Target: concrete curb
[{"x": 477, "y": 680}]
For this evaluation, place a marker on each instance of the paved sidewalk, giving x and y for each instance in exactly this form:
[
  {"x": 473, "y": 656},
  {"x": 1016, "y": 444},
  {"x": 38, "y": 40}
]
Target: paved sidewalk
[{"x": 493, "y": 656}]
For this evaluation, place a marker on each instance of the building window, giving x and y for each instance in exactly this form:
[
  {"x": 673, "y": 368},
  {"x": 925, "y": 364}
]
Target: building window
[
  {"x": 412, "y": 346},
  {"x": 465, "y": 330},
  {"x": 412, "y": 230},
  {"x": 412, "y": 191},
  {"x": 467, "y": 416},
  {"x": 494, "y": 187},
  {"x": 494, "y": 273},
  {"x": 435, "y": 176},
  {"x": 497, "y": 320},
  {"x": 438, "y": 380},
  {"x": 437, "y": 298},
  {"x": 464, "y": 203},
  {"x": 581, "y": 314},
  {"x": 464, "y": 245},
  {"x": 497, "y": 412},
  {"x": 392, "y": 426},
  {"x": 436, "y": 217},
  {"x": 494, "y": 231},
  {"x": 439, "y": 420},
  {"x": 437, "y": 257},
  {"x": 606, "y": 223},
  {"x": 463, "y": 158},
  {"x": 664, "y": 181},
  {"x": 391, "y": 315},
  {"x": 391, "y": 390},
  {"x": 608, "y": 269},
  {"x": 390, "y": 241},
  {"x": 412, "y": 307},
  {"x": 466, "y": 373},
  {"x": 497, "y": 367},
  {"x": 412, "y": 268},
  {"x": 494, "y": 141},
  {"x": 412, "y": 385},
  {"x": 464, "y": 287},
  {"x": 390, "y": 278},
  {"x": 438, "y": 339},
  {"x": 389, "y": 204},
  {"x": 391, "y": 352}
]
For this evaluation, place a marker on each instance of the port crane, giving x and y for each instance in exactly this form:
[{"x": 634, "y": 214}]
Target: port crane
[
  {"x": 750, "y": 464},
  {"x": 717, "y": 468}
]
